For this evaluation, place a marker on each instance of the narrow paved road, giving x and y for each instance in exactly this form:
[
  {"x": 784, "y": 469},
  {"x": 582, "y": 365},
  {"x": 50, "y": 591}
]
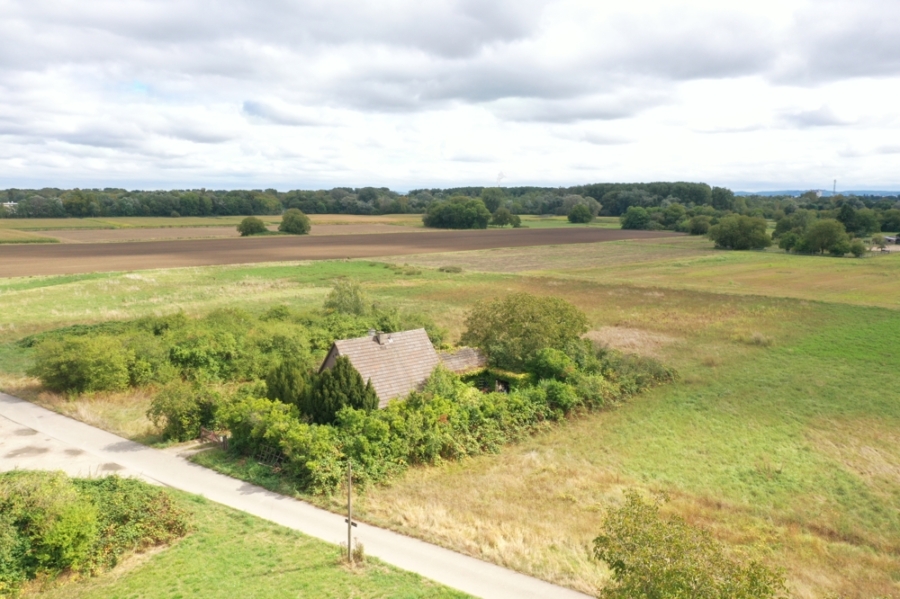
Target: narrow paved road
[{"x": 467, "y": 574}]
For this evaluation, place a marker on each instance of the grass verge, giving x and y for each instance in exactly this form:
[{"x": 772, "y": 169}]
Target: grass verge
[{"x": 237, "y": 555}]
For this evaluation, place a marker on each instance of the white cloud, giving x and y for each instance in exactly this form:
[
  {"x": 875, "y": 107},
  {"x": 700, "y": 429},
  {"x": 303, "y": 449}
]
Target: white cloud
[{"x": 305, "y": 93}]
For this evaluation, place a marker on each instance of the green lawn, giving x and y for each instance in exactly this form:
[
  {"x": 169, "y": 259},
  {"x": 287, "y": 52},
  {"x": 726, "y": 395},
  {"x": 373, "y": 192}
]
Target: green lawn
[{"x": 232, "y": 554}]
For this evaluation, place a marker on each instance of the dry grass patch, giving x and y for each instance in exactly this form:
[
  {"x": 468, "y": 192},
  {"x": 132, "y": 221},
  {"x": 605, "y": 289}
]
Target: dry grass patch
[
  {"x": 122, "y": 413},
  {"x": 634, "y": 341}
]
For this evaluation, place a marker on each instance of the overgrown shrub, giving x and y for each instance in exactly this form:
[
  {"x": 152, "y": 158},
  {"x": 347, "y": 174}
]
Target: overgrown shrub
[
  {"x": 503, "y": 217},
  {"x": 180, "y": 409},
  {"x": 580, "y": 214},
  {"x": 551, "y": 364},
  {"x": 636, "y": 217},
  {"x": 82, "y": 364},
  {"x": 512, "y": 329},
  {"x": 459, "y": 212},
  {"x": 738, "y": 232},
  {"x": 51, "y": 524},
  {"x": 252, "y": 226},
  {"x": 347, "y": 297},
  {"x": 294, "y": 222},
  {"x": 652, "y": 557}
]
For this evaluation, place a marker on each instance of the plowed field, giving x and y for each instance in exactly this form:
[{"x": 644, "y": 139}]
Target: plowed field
[{"x": 58, "y": 259}]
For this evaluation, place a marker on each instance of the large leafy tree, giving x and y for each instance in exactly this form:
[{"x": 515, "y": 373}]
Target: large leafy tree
[
  {"x": 336, "y": 388},
  {"x": 512, "y": 329},
  {"x": 458, "y": 213},
  {"x": 737, "y": 232},
  {"x": 825, "y": 235},
  {"x": 294, "y": 222}
]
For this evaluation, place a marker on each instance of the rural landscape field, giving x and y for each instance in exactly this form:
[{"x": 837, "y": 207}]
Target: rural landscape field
[{"x": 778, "y": 435}]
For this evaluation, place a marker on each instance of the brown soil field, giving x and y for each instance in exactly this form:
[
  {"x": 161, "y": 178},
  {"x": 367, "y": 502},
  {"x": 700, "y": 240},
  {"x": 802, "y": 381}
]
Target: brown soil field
[
  {"x": 58, "y": 259},
  {"x": 169, "y": 233}
]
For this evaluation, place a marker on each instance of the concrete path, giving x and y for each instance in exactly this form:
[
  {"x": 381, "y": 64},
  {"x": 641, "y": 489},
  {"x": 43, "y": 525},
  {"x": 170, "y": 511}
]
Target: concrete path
[{"x": 59, "y": 434}]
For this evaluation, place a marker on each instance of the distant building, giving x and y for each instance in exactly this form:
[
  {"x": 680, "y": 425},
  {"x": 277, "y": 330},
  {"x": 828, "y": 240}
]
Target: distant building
[
  {"x": 399, "y": 363},
  {"x": 10, "y": 206}
]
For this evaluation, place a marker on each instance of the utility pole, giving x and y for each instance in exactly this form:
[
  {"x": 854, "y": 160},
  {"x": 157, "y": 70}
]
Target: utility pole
[{"x": 350, "y": 522}]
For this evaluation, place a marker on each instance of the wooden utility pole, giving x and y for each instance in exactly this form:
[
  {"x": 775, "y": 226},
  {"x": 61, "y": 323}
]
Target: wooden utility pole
[{"x": 350, "y": 522}]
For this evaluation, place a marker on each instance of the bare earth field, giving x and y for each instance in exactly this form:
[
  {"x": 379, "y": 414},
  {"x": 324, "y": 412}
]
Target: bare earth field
[
  {"x": 55, "y": 259},
  {"x": 168, "y": 233}
]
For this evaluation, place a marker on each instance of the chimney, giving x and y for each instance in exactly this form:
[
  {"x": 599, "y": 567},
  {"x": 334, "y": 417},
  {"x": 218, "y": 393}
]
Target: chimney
[
  {"x": 371, "y": 333},
  {"x": 383, "y": 338}
]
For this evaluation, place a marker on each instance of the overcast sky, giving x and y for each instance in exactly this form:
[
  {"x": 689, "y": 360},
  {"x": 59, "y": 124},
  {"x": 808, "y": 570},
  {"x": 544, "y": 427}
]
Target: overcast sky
[{"x": 410, "y": 93}]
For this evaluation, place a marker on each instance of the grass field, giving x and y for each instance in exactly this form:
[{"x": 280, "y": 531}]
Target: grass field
[
  {"x": 232, "y": 554},
  {"x": 21, "y": 236},
  {"x": 780, "y": 435}
]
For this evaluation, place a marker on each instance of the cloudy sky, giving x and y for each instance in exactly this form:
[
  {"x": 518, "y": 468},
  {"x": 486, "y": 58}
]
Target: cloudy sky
[{"x": 405, "y": 93}]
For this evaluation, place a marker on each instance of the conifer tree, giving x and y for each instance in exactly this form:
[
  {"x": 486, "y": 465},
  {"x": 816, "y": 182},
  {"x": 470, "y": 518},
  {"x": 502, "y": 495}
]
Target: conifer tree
[
  {"x": 288, "y": 383},
  {"x": 340, "y": 386}
]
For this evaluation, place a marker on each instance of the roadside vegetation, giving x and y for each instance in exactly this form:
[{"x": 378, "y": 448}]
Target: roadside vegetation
[
  {"x": 777, "y": 438},
  {"x": 51, "y": 525},
  {"x": 231, "y": 553}
]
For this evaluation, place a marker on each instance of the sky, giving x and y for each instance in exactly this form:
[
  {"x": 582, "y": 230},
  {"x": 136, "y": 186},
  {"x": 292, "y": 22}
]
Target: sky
[{"x": 309, "y": 94}]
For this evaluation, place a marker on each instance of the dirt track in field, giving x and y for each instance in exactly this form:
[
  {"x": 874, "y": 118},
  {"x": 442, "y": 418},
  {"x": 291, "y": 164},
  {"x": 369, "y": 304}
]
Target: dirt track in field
[{"x": 58, "y": 259}]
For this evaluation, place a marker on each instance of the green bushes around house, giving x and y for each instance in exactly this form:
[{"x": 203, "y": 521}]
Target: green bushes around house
[
  {"x": 51, "y": 524},
  {"x": 447, "y": 420}
]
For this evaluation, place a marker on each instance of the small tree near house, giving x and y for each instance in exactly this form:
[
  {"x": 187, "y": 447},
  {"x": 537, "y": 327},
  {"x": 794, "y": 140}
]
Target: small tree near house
[{"x": 336, "y": 388}]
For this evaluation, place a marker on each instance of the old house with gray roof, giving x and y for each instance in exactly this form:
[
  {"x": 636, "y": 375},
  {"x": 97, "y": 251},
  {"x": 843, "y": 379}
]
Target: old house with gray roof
[{"x": 399, "y": 363}]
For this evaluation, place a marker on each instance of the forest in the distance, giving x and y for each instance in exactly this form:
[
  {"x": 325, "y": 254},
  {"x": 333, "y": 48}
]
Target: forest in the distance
[{"x": 614, "y": 199}]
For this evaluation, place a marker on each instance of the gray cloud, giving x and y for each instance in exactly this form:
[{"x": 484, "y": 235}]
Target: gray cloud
[
  {"x": 820, "y": 117},
  {"x": 276, "y": 115}
]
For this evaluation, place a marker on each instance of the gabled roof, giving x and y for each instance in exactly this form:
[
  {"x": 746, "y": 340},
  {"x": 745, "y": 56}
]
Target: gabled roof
[{"x": 396, "y": 363}]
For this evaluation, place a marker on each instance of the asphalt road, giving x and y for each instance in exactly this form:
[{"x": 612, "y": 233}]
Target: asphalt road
[
  {"x": 40, "y": 432},
  {"x": 59, "y": 259}
]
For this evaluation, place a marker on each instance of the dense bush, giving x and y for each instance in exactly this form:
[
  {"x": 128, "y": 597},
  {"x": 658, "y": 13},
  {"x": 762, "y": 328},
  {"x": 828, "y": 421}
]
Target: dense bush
[
  {"x": 294, "y": 222},
  {"x": 825, "y": 235},
  {"x": 653, "y": 557},
  {"x": 180, "y": 409},
  {"x": 347, "y": 297},
  {"x": 551, "y": 364},
  {"x": 512, "y": 329},
  {"x": 447, "y": 420},
  {"x": 636, "y": 217},
  {"x": 251, "y": 226},
  {"x": 82, "y": 364},
  {"x": 580, "y": 214},
  {"x": 457, "y": 213},
  {"x": 51, "y": 524},
  {"x": 503, "y": 217},
  {"x": 737, "y": 232}
]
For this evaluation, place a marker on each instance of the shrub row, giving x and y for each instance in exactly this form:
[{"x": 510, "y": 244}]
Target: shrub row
[
  {"x": 447, "y": 420},
  {"x": 51, "y": 524}
]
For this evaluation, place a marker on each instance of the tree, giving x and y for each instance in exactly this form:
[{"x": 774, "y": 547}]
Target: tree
[
  {"x": 858, "y": 248},
  {"x": 512, "y": 329},
  {"x": 698, "y": 225},
  {"x": 826, "y": 235},
  {"x": 655, "y": 558},
  {"x": 503, "y": 217},
  {"x": 289, "y": 382},
  {"x": 493, "y": 198},
  {"x": 251, "y": 226},
  {"x": 294, "y": 222},
  {"x": 737, "y": 232},
  {"x": 879, "y": 241},
  {"x": 580, "y": 214},
  {"x": 635, "y": 217},
  {"x": 338, "y": 387},
  {"x": 722, "y": 198},
  {"x": 458, "y": 212},
  {"x": 347, "y": 297}
]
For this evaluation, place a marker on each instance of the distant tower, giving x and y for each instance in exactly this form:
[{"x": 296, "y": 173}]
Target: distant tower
[
  {"x": 834, "y": 190},
  {"x": 500, "y": 177}
]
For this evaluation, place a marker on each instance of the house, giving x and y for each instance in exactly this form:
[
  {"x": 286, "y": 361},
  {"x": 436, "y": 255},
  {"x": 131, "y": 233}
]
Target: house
[{"x": 399, "y": 363}]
